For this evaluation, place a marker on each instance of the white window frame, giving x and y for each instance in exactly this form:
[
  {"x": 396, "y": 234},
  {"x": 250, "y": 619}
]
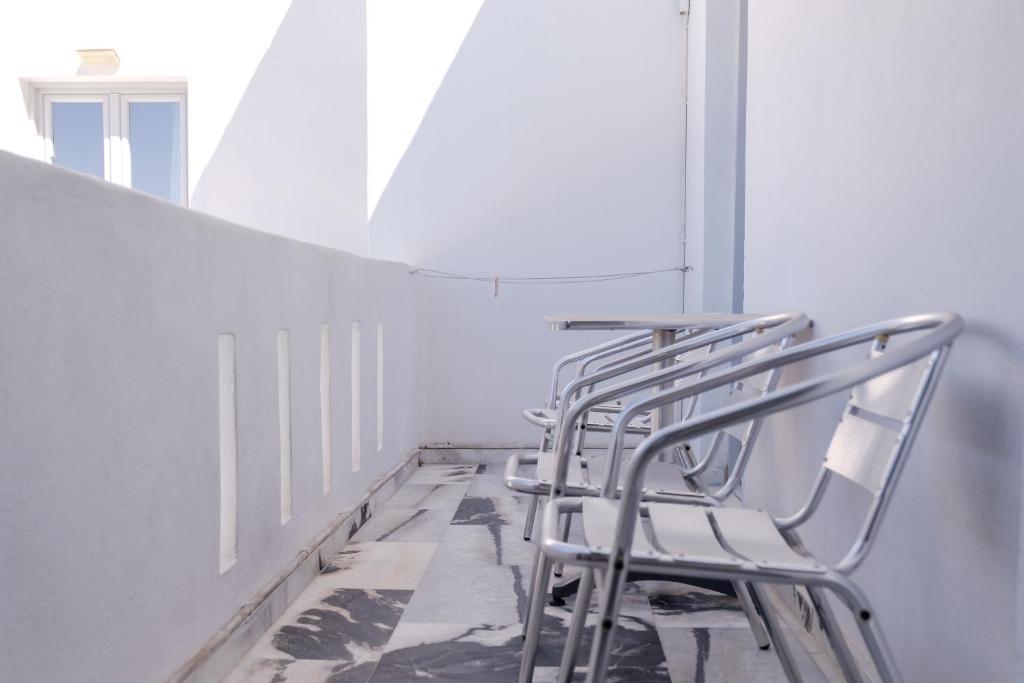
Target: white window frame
[{"x": 115, "y": 95}]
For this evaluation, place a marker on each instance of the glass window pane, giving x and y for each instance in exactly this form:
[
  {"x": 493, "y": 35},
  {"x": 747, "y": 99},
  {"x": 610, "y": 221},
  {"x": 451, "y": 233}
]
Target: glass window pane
[
  {"x": 154, "y": 136},
  {"x": 78, "y": 136}
]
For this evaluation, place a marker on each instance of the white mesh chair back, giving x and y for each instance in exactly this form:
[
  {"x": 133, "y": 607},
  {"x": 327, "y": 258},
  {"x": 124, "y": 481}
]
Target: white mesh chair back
[
  {"x": 868, "y": 435},
  {"x": 755, "y": 386},
  {"x": 690, "y": 405}
]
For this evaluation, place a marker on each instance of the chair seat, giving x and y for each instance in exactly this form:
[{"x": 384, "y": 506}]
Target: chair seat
[
  {"x": 685, "y": 532},
  {"x": 599, "y": 518},
  {"x": 603, "y": 420},
  {"x": 546, "y": 470}
]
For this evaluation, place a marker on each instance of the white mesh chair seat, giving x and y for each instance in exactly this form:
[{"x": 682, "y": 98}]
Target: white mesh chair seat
[
  {"x": 752, "y": 534},
  {"x": 686, "y": 532},
  {"x": 546, "y": 470},
  {"x": 547, "y": 418},
  {"x": 599, "y": 518}
]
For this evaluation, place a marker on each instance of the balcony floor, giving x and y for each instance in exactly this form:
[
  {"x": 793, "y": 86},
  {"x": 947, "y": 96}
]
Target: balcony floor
[{"x": 434, "y": 586}]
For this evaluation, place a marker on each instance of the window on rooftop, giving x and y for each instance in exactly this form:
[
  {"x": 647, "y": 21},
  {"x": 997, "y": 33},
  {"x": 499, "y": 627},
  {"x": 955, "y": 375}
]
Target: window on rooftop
[{"x": 132, "y": 134}]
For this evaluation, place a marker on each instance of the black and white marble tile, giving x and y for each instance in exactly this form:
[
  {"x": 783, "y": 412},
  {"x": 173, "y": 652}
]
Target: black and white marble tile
[
  {"x": 392, "y": 566},
  {"x": 488, "y": 545},
  {"x": 677, "y": 605},
  {"x": 336, "y": 635},
  {"x": 396, "y": 525},
  {"x": 429, "y": 496},
  {"x": 706, "y": 655},
  {"x": 490, "y": 483},
  {"x": 434, "y": 586},
  {"x": 501, "y": 518},
  {"x": 443, "y": 474}
]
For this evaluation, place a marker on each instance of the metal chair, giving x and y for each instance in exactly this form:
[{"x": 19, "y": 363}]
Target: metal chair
[
  {"x": 557, "y": 473},
  {"x": 891, "y": 391},
  {"x": 579, "y": 394},
  {"x": 618, "y": 350},
  {"x": 545, "y": 417}
]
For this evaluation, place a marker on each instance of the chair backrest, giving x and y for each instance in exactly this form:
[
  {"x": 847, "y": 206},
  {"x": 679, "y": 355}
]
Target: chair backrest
[
  {"x": 760, "y": 344},
  {"x": 867, "y": 437},
  {"x": 745, "y": 433},
  {"x": 889, "y": 393}
]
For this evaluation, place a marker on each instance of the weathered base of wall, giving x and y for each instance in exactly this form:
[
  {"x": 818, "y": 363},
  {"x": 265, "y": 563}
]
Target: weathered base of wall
[
  {"x": 469, "y": 455},
  {"x": 227, "y": 647}
]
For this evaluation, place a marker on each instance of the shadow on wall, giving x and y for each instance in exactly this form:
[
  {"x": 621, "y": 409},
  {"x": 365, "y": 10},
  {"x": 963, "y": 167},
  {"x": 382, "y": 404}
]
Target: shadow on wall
[
  {"x": 553, "y": 146},
  {"x": 292, "y": 160}
]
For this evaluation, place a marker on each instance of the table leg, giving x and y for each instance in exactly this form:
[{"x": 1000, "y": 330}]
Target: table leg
[{"x": 665, "y": 415}]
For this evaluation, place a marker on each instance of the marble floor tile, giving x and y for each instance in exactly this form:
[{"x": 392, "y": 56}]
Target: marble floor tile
[
  {"x": 327, "y": 635},
  {"x": 453, "y": 591},
  {"x": 501, "y": 517},
  {"x": 489, "y": 545},
  {"x": 490, "y": 484},
  {"x": 727, "y": 654},
  {"x": 680, "y": 605},
  {"x": 429, "y": 496},
  {"x": 257, "y": 670},
  {"x": 395, "y": 566},
  {"x": 399, "y": 525},
  {"x": 465, "y": 652},
  {"x": 434, "y": 587},
  {"x": 450, "y": 652},
  {"x": 442, "y": 474}
]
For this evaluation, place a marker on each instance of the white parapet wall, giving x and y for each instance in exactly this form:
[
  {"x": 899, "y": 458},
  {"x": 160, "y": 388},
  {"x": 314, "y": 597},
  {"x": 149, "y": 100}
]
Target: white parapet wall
[{"x": 141, "y": 400}]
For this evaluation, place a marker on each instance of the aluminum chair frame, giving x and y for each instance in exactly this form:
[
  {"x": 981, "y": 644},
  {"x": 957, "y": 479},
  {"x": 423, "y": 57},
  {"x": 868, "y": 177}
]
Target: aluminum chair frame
[
  {"x": 583, "y": 359},
  {"x": 614, "y": 563},
  {"x": 776, "y": 327},
  {"x": 766, "y": 331},
  {"x": 632, "y": 361}
]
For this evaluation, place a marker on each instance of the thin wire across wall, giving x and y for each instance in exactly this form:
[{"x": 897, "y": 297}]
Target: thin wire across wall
[{"x": 498, "y": 280}]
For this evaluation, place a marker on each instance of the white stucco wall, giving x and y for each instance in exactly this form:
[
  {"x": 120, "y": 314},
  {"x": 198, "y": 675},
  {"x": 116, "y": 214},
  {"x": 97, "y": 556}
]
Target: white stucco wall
[
  {"x": 883, "y": 173},
  {"x": 276, "y": 99},
  {"x": 111, "y": 304},
  {"x": 553, "y": 146}
]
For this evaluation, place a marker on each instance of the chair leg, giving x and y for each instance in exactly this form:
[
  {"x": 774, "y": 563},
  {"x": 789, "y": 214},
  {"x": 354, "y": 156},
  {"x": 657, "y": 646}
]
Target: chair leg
[
  {"x": 753, "y": 617},
  {"x": 611, "y": 600},
  {"x": 531, "y": 516},
  {"x": 867, "y": 622},
  {"x": 579, "y": 620},
  {"x": 531, "y": 513},
  {"x": 778, "y": 639},
  {"x": 533, "y": 581},
  {"x": 819, "y": 600},
  {"x": 535, "y": 619},
  {"x": 566, "y": 526}
]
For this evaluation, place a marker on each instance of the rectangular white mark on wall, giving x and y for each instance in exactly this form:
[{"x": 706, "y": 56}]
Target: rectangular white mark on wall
[
  {"x": 284, "y": 421},
  {"x": 325, "y": 404},
  {"x": 356, "y": 382},
  {"x": 228, "y": 452},
  {"x": 380, "y": 386}
]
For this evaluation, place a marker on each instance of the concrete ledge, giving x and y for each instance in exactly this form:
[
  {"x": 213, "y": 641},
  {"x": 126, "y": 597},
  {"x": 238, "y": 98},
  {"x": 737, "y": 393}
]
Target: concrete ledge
[{"x": 225, "y": 649}]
